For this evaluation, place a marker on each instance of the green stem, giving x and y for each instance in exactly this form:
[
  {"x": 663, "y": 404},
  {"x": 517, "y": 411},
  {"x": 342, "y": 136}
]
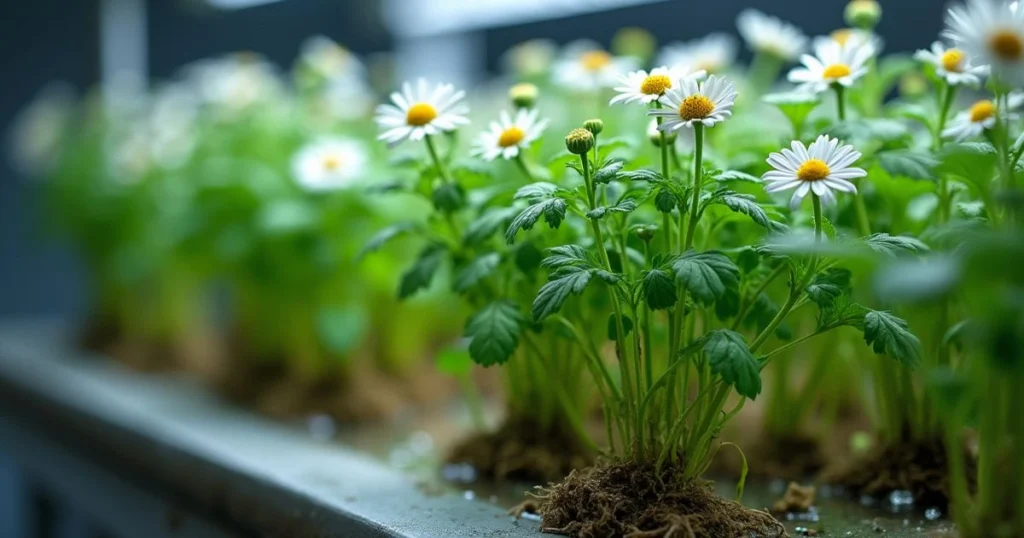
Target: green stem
[
  {"x": 840, "y": 101},
  {"x": 441, "y": 169},
  {"x": 524, "y": 167}
]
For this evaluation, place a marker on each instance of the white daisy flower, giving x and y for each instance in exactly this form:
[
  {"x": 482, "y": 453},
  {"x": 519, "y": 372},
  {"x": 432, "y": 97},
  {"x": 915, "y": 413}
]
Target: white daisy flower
[
  {"x": 952, "y": 64},
  {"x": 421, "y": 111},
  {"x": 585, "y": 66},
  {"x": 822, "y": 168},
  {"x": 832, "y": 63},
  {"x": 647, "y": 87},
  {"x": 508, "y": 136},
  {"x": 707, "y": 102},
  {"x": 713, "y": 53},
  {"x": 236, "y": 82},
  {"x": 770, "y": 35},
  {"x": 329, "y": 164},
  {"x": 991, "y": 33},
  {"x": 981, "y": 116}
]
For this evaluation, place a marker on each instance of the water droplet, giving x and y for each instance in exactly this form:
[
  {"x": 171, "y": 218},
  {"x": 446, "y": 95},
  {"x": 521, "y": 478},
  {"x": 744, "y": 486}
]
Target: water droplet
[
  {"x": 468, "y": 495},
  {"x": 530, "y": 516},
  {"x": 932, "y": 514},
  {"x": 901, "y": 498}
]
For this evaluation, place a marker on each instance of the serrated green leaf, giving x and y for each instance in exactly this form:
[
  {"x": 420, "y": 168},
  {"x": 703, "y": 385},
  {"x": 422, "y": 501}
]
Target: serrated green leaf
[
  {"x": 745, "y": 204},
  {"x": 382, "y": 237},
  {"x": 422, "y": 272},
  {"x": 607, "y": 173},
  {"x": 553, "y": 210},
  {"x": 895, "y": 245},
  {"x": 706, "y": 274},
  {"x": 659, "y": 289},
  {"x": 842, "y": 312},
  {"x": 494, "y": 332},
  {"x": 477, "y": 270},
  {"x": 642, "y": 175},
  {"x": 665, "y": 201},
  {"x": 730, "y": 357},
  {"x": 907, "y": 163},
  {"x": 888, "y": 334},
  {"x": 540, "y": 189},
  {"x": 551, "y": 297},
  {"x": 829, "y": 286},
  {"x": 487, "y": 224},
  {"x": 566, "y": 255},
  {"x": 626, "y": 206}
]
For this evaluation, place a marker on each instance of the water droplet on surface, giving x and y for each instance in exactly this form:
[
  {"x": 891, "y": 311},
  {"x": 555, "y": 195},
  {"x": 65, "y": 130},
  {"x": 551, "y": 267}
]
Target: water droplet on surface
[
  {"x": 530, "y": 516},
  {"x": 811, "y": 515},
  {"x": 468, "y": 495},
  {"x": 901, "y": 498},
  {"x": 932, "y": 514}
]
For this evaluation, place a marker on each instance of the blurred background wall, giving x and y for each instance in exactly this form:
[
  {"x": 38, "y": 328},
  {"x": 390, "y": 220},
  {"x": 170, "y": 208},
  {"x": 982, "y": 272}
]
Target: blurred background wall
[{"x": 60, "y": 40}]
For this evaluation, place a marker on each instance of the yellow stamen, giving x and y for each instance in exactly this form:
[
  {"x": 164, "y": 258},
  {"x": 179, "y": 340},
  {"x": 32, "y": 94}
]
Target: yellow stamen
[
  {"x": 656, "y": 85},
  {"x": 420, "y": 114},
  {"x": 982, "y": 110},
  {"x": 594, "y": 60},
  {"x": 952, "y": 60},
  {"x": 332, "y": 163},
  {"x": 842, "y": 35},
  {"x": 836, "y": 71},
  {"x": 1006, "y": 45},
  {"x": 511, "y": 136},
  {"x": 696, "y": 107},
  {"x": 813, "y": 170}
]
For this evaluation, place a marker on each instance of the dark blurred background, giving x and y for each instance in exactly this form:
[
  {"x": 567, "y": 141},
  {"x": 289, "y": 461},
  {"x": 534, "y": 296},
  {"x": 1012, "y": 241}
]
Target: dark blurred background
[{"x": 61, "y": 40}]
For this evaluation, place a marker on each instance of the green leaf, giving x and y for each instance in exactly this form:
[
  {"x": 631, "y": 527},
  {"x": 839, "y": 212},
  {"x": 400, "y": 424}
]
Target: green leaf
[
  {"x": 748, "y": 259},
  {"x": 736, "y": 175},
  {"x": 454, "y": 362},
  {"x": 551, "y": 297},
  {"x": 829, "y": 286},
  {"x": 613, "y": 329},
  {"x": 566, "y": 255},
  {"x": 888, "y": 334},
  {"x": 477, "y": 270},
  {"x": 494, "y": 333},
  {"x": 973, "y": 161},
  {"x": 706, "y": 274},
  {"x": 828, "y": 229},
  {"x": 745, "y": 204},
  {"x": 528, "y": 257},
  {"x": 841, "y": 312},
  {"x": 895, "y": 245},
  {"x": 665, "y": 201},
  {"x": 486, "y": 224},
  {"x": 908, "y": 163},
  {"x": 553, "y": 210},
  {"x": 541, "y": 189},
  {"x": 341, "y": 329},
  {"x": 625, "y": 206},
  {"x": 730, "y": 357},
  {"x": 659, "y": 289},
  {"x": 796, "y": 106},
  {"x": 642, "y": 175},
  {"x": 608, "y": 172},
  {"x": 448, "y": 197},
  {"x": 382, "y": 237},
  {"x": 422, "y": 272}
]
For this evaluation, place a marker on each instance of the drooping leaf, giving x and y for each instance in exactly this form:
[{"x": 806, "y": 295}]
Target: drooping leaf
[
  {"x": 706, "y": 274},
  {"x": 477, "y": 270},
  {"x": 494, "y": 333},
  {"x": 551, "y": 297},
  {"x": 745, "y": 204},
  {"x": 382, "y": 237},
  {"x": 607, "y": 173},
  {"x": 659, "y": 289},
  {"x": 895, "y": 245},
  {"x": 730, "y": 357},
  {"x": 553, "y": 210},
  {"x": 888, "y": 334},
  {"x": 422, "y": 271}
]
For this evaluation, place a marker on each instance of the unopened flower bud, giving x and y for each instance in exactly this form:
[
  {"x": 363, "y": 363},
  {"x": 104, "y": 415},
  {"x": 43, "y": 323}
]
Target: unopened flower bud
[
  {"x": 523, "y": 95},
  {"x": 595, "y": 126},
  {"x": 646, "y": 233},
  {"x": 864, "y": 14},
  {"x": 579, "y": 141}
]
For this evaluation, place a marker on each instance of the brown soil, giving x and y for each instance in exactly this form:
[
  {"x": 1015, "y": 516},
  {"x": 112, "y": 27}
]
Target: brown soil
[
  {"x": 918, "y": 467},
  {"x": 630, "y": 500},
  {"x": 521, "y": 450}
]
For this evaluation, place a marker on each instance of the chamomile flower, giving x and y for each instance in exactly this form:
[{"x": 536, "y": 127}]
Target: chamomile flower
[
  {"x": 713, "y": 53},
  {"x": 647, "y": 87},
  {"x": 508, "y": 136},
  {"x": 585, "y": 66},
  {"x": 952, "y": 64},
  {"x": 822, "y": 168},
  {"x": 329, "y": 164},
  {"x": 707, "y": 102},
  {"x": 991, "y": 33},
  {"x": 980, "y": 117},
  {"x": 832, "y": 63},
  {"x": 770, "y": 35},
  {"x": 421, "y": 111}
]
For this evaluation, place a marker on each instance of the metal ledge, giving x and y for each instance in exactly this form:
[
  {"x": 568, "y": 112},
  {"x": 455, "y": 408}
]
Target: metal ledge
[{"x": 226, "y": 468}]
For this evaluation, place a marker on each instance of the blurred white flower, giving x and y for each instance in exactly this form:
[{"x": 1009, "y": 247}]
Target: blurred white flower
[
  {"x": 508, "y": 136},
  {"x": 235, "y": 82},
  {"x": 713, "y": 53},
  {"x": 585, "y": 66},
  {"x": 38, "y": 130},
  {"x": 992, "y": 33},
  {"x": 421, "y": 111},
  {"x": 646, "y": 87},
  {"x": 832, "y": 63},
  {"x": 822, "y": 168},
  {"x": 770, "y": 35},
  {"x": 952, "y": 64},
  {"x": 329, "y": 59},
  {"x": 330, "y": 164},
  {"x": 707, "y": 102},
  {"x": 982, "y": 115}
]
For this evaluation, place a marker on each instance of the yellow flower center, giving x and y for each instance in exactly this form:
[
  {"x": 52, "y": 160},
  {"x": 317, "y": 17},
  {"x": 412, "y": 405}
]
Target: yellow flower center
[
  {"x": 813, "y": 170},
  {"x": 595, "y": 60},
  {"x": 842, "y": 35},
  {"x": 332, "y": 163},
  {"x": 952, "y": 59},
  {"x": 836, "y": 71},
  {"x": 1006, "y": 45},
  {"x": 696, "y": 107},
  {"x": 420, "y": 114},
  {"x": 511, "y": 136},
  {"x": 982, "y": 110},
  {"x": 656, "y": 85}
]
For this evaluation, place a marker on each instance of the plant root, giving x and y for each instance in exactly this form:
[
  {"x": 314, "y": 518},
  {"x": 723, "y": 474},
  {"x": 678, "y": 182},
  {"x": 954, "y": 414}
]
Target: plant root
[
  {"x": 522, "y": 450},
  {"x": 630, "y": 499}
]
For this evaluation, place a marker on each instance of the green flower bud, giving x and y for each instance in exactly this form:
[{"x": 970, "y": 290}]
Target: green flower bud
[
  {"x": 523, "y": 95},
  {"x": 646, "y": 233},
  {"x": 595, "y": 126},
  {"x": 863, "y": 14},
  {"x": 579, "y": 141}
]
